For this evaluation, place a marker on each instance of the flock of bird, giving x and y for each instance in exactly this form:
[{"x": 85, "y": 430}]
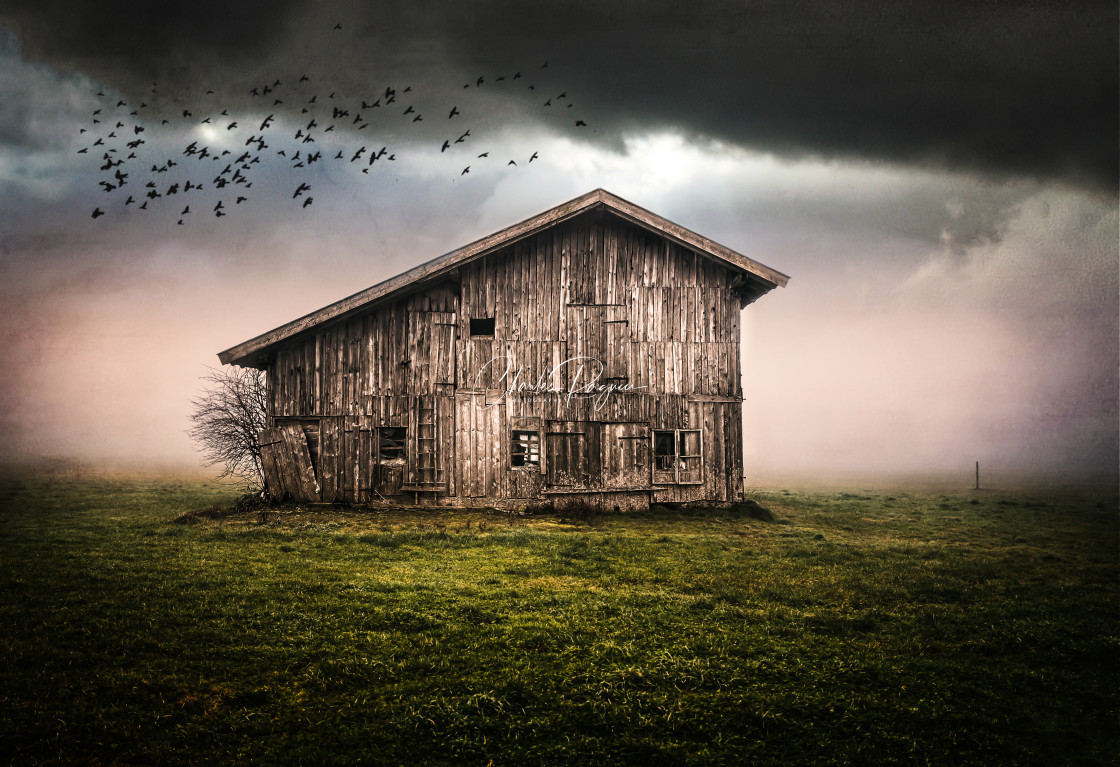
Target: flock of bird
[{"x": 225, "y": 153}]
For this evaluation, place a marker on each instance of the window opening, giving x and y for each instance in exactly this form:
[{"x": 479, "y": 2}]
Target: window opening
[
  {"x": 391, "y": 444},
  {"x": 678, "y": 457},
  {"x": 664, "y": 452},
  {"x": 525, "y": 448},
  {"x": 482, "y": 326}
]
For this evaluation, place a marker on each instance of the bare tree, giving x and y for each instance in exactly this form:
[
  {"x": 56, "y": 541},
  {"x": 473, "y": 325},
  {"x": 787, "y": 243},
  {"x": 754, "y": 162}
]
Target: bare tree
[{"x": 228, "y": 418}]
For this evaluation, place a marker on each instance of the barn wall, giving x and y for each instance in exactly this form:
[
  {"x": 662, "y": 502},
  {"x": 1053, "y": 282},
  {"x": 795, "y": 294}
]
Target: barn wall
[
  {"x": 661, "y": 315},
  {"x": 635, "y": 311}
]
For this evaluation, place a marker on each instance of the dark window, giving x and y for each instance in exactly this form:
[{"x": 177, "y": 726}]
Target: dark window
[
  {"x": 664, "y": 450},
  {"x": 678, "y": 457},
  {"x": 482, "y": 326},
  {"x": 525, "y": 449},
  {"x": 390, "y": 444}
]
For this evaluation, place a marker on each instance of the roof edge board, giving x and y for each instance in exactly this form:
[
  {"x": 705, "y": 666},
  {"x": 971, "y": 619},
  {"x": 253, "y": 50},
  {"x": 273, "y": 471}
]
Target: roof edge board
[{"x": 419, "y": 274}]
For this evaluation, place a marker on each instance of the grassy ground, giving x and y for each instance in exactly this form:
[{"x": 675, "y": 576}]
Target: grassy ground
[{"x": 862, "y": 629}]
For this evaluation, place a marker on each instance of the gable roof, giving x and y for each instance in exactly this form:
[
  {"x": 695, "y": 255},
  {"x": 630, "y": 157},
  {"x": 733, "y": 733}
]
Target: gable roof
[{"x": 758, "y": 279}]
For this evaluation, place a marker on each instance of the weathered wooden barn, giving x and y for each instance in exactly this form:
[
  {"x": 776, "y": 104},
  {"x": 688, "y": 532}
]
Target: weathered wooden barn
[{"x": 589, "y": 353}]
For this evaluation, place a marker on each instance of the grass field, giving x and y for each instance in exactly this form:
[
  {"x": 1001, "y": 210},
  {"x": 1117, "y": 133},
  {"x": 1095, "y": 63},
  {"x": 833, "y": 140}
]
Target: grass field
[{"x": 856, "y": 629}]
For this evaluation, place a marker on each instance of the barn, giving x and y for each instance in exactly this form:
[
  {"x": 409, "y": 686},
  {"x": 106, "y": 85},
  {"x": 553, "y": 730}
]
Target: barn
[{"x": 589, "y": 354}]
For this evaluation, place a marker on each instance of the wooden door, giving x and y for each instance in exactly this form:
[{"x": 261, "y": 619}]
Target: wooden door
[
  {"x": 431, "y": 349},
  {"x": 573, "y": 454},
  {"x": 287, "y": 463},
  {"x": 479, "y": 440},
  {"x": 584, "y": 336},
  {"x": 626, "y": 455}
]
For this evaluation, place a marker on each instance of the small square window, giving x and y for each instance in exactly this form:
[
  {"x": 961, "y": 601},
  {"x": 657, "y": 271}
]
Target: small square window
[
  {"x": 525, "y": 448},
  {"x": 482, "y": 326},
  {"x": 390, "y": 444}
]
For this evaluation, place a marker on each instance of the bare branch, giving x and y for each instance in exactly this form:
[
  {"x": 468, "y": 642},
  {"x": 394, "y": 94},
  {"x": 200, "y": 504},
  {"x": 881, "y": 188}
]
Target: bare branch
[{"x": 227, "y": 418}]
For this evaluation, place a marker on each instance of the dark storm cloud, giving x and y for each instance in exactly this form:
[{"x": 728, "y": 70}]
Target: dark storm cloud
[
  {"x": 1021, "y": 88},
  {"x": 143, "y": 37}
]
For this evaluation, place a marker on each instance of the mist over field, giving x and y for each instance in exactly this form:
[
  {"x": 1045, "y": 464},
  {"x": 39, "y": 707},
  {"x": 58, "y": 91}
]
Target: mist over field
[{"x": 941, "y": 188}]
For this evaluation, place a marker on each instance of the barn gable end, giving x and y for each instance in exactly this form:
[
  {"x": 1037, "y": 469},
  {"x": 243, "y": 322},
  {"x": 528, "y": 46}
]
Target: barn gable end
[{"x": 590, "y": 353}]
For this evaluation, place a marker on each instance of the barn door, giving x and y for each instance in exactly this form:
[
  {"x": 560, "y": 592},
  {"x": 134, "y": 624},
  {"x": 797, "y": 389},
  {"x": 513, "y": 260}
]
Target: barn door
[
  {"x": 626, "y": 455},
  {"x": 572, "y": 454},
  {"x": 598, "y": 335},
  {"x": 431, "y": 348},
  {"x": 479, "y": 432},
  {"x": 287, "y": 462},
  {"x": 584, "y": 337}
]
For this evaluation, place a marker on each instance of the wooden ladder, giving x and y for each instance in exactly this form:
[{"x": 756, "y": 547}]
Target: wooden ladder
[{"x": 428, "y": 472}]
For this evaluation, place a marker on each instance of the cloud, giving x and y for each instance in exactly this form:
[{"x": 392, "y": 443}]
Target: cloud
[
  {"x": 41, "y": 108},
  {"x": 1025, "y": 89}
]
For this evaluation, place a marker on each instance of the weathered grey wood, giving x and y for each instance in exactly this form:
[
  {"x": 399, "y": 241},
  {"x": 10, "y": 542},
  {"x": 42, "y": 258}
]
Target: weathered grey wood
[
  {"x": 296, "y": 463},
  {"x": 660, "y": 315},
  {"x": 271, "y": 444}
]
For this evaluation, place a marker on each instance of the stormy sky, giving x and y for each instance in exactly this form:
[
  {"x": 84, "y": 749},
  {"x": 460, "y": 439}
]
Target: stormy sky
[{"x": 938, "y": 179}]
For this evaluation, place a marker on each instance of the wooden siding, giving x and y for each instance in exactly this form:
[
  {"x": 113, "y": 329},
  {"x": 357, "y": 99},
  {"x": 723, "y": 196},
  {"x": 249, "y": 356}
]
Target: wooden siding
[{"x": 622, "y": 306}]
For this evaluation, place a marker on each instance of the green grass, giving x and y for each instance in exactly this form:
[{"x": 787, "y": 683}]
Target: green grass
[{"x": 861, "y": 629}]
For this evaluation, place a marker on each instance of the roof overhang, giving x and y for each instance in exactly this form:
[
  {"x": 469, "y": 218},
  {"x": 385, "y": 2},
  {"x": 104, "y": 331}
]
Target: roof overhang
[{"x": 755, "y": 279}]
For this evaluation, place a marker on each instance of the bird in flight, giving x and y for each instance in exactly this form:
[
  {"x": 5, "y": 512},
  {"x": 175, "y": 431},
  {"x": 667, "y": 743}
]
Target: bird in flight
[{"x": 255, "y": 147}]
